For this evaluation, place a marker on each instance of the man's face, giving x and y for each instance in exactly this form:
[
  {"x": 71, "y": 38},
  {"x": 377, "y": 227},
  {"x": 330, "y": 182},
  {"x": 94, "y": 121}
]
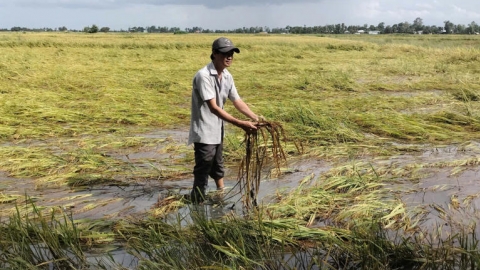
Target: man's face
[{"x": 224, "y": 59}]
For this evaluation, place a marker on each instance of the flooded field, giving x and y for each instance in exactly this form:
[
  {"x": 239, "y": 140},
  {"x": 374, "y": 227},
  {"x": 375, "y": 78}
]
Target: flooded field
[
  {"x": 439, "y": 185},
  {"x": 443, "y": 179},
  {"x": 382, "y": 170},
  {"x": 120, "y": 199},
  {"x": 117, "y": 200}
]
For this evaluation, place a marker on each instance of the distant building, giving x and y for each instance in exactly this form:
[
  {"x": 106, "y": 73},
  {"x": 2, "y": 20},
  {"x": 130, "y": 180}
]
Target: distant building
[
  {"x": 360, "y": 32},
  {"x": 373, "y": 32}
]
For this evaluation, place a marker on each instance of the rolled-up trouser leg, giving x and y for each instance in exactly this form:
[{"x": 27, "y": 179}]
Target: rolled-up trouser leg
[{"x": 205, "y": 157}]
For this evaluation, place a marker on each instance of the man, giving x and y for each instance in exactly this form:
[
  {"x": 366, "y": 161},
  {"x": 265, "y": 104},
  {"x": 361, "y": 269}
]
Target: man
[{"x": 212, "y": 85}]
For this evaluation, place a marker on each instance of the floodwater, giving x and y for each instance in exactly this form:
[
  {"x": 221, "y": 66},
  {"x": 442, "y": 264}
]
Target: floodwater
[
  {"x": 118, "y": 201},
  {"x": 447, "y": 189}
]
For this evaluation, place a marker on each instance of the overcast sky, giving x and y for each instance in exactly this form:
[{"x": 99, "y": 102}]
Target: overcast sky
[{"x": 229, "y": 14}]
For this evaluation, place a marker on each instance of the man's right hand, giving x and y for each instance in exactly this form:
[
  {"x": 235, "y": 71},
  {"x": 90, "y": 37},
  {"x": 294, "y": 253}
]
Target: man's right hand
[{"x": 249, "y": 127}]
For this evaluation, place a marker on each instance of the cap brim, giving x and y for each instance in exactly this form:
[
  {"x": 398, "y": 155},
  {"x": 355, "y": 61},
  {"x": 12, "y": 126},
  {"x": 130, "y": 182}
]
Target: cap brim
[{"x": 227, "y": 49}]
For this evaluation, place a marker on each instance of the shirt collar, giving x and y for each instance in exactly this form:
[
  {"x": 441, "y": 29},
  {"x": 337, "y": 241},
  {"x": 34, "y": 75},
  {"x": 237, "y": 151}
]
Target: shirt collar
[{"x": 212, "y": 69}]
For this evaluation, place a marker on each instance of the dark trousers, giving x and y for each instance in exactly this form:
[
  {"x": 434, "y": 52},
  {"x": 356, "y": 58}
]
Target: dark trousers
[{"x": 208, "y": 162}]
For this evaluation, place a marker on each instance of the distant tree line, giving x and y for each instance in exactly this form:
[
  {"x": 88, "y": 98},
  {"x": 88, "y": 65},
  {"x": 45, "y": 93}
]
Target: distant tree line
[{"x": 403, "y": 28}]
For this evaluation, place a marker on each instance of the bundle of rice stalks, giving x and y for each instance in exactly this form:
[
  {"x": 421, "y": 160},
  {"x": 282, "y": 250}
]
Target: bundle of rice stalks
[{"x": 267, "y": 140}]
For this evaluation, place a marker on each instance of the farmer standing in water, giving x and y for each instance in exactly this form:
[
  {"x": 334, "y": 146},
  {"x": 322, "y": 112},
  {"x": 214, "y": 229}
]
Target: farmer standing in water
[{"x": 212, "y": 85}]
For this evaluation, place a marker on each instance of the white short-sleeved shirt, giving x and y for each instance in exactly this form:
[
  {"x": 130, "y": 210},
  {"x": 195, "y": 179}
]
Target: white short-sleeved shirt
[{"x": 206, "y": 127}]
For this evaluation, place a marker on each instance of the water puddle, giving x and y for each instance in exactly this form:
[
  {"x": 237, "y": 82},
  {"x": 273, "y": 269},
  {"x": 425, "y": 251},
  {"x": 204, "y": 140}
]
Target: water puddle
[{"x": 446, "y": 200}]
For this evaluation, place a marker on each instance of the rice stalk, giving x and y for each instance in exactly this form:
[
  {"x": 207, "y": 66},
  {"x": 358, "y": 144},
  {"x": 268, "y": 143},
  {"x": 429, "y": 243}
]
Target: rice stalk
[
  {"x": 268, "y": 135},
  {"x": 36, "y": 241}
]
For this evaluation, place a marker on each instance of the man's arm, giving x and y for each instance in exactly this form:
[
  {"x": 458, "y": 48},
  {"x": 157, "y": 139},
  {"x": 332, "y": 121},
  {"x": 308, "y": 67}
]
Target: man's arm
[
  {"x": 243, "y": 108},
  {"x": 245, "y": 125}
]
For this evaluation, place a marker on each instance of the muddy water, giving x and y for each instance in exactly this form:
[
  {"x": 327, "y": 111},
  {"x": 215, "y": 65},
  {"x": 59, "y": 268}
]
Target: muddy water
[
  {"x": 435, "y": 193},
  {"x": 447, "y": 202},
  {"x": 270, "y": 188},
  {"x": 118, "y": 201},
  {"x": 438, "y": 186},
  {"x": 447, "y": 195}
]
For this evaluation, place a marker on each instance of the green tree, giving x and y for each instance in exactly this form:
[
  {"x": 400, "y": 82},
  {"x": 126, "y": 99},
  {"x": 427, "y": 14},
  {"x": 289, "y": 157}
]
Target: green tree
[
  {"x": 90, "y": 29},
  {"x": 472, "y": 28},
  {"x": 381, "y": 27},
  {"x": 337, "y": 29},
  {"x": 152, "y": 29},
  {"x": 104, "y": 29},
  {"x": 395, "y": 28},
  {"x": 404, "y": 27},
  {"x": 93, "y": 29},
  {"x": 460, "y": 29},
  {"x": 388, "y": 30},
  {"x": 448, "y": 27},
  {"x": 418, "y": 24},
  {"x": 427, "y": 29}
]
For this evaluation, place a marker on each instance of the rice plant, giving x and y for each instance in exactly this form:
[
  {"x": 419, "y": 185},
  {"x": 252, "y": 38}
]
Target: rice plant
[{"x": 258, "y": 146}]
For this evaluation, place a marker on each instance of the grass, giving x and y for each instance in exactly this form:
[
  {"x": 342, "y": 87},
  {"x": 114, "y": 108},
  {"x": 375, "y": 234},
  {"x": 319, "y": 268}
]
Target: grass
[
  {"x": 370, "y": 234},
  {"x": 73, "y": 106}
]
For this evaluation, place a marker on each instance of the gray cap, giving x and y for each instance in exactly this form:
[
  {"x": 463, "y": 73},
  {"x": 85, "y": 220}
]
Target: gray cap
[{"x": 224, "y": 45}]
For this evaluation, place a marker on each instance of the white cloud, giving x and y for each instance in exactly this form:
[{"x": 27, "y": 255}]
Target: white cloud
[
  {"x": 468, "y": 13},
  {"x": 424, "y": 5},
  {"x": 370, "y": 10}
]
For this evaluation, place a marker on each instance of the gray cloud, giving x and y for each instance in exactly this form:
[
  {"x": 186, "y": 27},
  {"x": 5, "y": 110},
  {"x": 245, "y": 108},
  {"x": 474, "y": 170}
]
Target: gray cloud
[
  {"x": 212, "y": 4},
  {"x": 228, "y": 14}
]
